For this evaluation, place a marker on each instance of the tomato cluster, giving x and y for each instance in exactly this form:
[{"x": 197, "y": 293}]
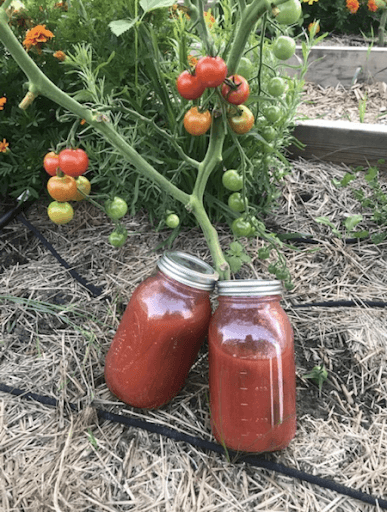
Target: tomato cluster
[
  {"x": 211, "y": 72},
  {"x": 66, "y": 182}
]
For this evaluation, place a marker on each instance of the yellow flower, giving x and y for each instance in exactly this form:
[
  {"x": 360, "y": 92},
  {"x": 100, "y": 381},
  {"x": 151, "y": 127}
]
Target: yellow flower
[
  {"x": 36, "y": 36},
  {"x": 60, "y": 55},
  {"x": 3, "y": 101},
  {"x": 209, "y": 19},
  {"x": 192, "y": 61},
  {"x": 310, "y": 2},
  {"x": 4, "y": 146}
]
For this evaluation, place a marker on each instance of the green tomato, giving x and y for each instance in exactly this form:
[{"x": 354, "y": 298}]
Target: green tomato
[
  {"x": 284, "y": 47},
  {"x": 269, "y": 133},
  {"x": 116, "y": 208},
  {"x": 273, "y": 113},
  {"x": 276, "y": 86},
  {"x": 172, "y": 220},
  {"x": 236, "y": 202},
  {"x": 241, "y": 227},
  {"x": 245, "y": 68},
  {"x": 289, "y": 12},
  {"x": 232, "y": 180},
  {"x": 118, "y": 237}
]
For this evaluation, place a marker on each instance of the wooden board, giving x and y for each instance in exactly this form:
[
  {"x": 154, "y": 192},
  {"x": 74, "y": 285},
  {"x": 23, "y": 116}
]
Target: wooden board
[
  {"x": 330, "y": 65},
  {"x": 353, "y": 144}
]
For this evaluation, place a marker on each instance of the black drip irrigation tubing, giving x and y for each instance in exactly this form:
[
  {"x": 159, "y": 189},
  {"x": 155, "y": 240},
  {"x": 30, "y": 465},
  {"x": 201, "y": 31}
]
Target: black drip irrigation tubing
[{"x": 253, "y": 460}]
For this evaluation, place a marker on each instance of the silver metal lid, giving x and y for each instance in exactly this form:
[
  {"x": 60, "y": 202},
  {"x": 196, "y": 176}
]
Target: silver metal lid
[
  {"x": 188, "y": 269},
  {"x": 249, "y": 287}
]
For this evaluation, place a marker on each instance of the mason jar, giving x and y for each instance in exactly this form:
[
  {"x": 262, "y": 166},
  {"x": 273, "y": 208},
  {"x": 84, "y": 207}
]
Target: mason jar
[
  {"x": 161, "y": 331},
  {"x": 252, "y": 381}
]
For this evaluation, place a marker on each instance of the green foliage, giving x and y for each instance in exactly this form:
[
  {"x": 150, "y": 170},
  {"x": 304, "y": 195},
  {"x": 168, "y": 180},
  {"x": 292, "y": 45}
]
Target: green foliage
[{"x": 318, "y": 375}]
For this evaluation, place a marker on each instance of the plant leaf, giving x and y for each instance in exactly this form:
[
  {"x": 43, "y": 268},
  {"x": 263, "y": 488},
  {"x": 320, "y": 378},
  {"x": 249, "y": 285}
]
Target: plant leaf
[
  {"x": 118, "y": 27},
  {"x": 351, "y": 222},
  {"x": 149, "y": 5}
]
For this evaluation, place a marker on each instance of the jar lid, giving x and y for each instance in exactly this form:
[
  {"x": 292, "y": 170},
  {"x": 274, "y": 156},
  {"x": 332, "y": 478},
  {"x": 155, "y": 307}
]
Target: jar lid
[
  {"x": 249, "y": 287},
  {"x": 188, "y": 269}
]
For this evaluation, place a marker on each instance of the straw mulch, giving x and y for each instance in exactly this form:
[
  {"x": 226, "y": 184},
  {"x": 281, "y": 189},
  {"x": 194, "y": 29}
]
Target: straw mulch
[{"x": 55, "y": 335}]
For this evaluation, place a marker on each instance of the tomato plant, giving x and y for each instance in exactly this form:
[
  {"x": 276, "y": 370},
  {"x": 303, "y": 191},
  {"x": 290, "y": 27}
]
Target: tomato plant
[
  {"x": 237, "y": 203},
  {"x": 211, "y": 71},
  {"x": 276, "y": 86},
  {"x": 189, "y": 86},
  {"x": 241, "y": 227},
  {"x": 232, "y": 180},
  {"x": 284, "y": 47},
  {"x": 83, "y": 188},
  {"x": 118, "y": 237},
  {"x": 273, "y": 113},
  {"x": 241, "y": 120},
  {"x": 73, "y": 162},
  {"x": 62, "y": 188},
  {"x": 196, "y": 122},
  {"x": 116, "y": 208},
  {"x": 172, "y": 220},
  {"x": 60, "y": 213},
  {"x": 245, "y": 68},
  {"x": 51, "y": 163},
  {"x": 289, "y": 12},
  {"x": 236, "y": 90},
  {"x": 268, "y": 133}
]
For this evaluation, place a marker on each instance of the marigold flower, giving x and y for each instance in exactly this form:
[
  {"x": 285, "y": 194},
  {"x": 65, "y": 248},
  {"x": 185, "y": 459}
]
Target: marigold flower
[
  {"x": 60, "y": 55},
  {"x": 192, "y": 61},
  {"x": 352, "y": 6},
  {"x": 83, "y": 121},
  {"x": 314, "y": 26},
  {"x": 61, "y": 5},
  {"x": 3, "y": 101},
  {"x": 372, "y": 5},
  {"x": 4, "y": 146},
  {"x": 209, "y": 19},
  {"x": 36, "y": 36}
]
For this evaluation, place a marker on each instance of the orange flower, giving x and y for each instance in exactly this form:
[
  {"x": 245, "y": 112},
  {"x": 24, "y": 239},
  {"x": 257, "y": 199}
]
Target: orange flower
[
  {"x": 4, "y": 146},
  {"x": 352, "y": 6},
  {"x": 209, "y": 19},
  {"x": 192, "y": 61},
  {"x": 314, "y": 26},
  {"x": 60, "y": 55},
  {"x": 372, "y": 5},
  {"x": 3, "y": 101},
  {"x": 36, "y": 36},
  {"x": 62, "y": 5},
  {"x": 83, "y": 121}
]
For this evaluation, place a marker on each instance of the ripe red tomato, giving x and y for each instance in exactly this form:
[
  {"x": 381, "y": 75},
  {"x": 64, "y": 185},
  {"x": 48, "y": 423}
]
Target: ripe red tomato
[
  {"x": 211, "y": 71},
  {"x": 197, "y": 123},
  {"x": 51, "y": 163},
  {"x": 73, "y": 162},
  {"x": 240, "y": 94},
  {"x": 62, "y": 188},
  {"x": 189, "y": 86},
  {"x": 83, "y": 188},
  {"x": 60, "y": 213},
  {"x": 241, "y": 121}
]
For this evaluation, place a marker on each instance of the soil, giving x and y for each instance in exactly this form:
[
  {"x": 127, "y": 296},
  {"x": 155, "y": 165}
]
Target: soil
[{"x": 55, "y": 335}]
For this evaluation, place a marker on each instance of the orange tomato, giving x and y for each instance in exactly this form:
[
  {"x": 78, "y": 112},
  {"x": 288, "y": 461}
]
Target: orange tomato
[
  {"x": 197, "y": 123},
  {"x": 62, "y": 188},
  {"x": 241, "y": 120}
]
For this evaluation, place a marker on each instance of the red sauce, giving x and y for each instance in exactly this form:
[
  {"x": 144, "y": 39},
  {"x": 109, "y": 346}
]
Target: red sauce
[
  {"x": 252, "y": 374},
  {"x": 157, "y": 341}
]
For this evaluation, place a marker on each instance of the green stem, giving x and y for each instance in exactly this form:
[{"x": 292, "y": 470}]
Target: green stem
[
  {"x": 249, "y": 18},
  {"x": 382, "y": 28}
]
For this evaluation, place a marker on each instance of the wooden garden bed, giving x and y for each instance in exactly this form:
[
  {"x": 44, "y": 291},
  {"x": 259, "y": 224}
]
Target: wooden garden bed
[{"x": 341, "y": 141}]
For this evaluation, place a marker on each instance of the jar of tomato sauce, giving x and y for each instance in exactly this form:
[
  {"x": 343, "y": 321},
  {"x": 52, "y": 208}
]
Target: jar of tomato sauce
[
  {"x": 161, "y": 331},
  {"x": 252, "y": 379}
]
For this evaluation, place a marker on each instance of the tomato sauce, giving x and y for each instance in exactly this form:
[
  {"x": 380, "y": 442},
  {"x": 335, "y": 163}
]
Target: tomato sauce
[
  {"x": 252, "y": 374},
  {"x": 158, "y": 339}
]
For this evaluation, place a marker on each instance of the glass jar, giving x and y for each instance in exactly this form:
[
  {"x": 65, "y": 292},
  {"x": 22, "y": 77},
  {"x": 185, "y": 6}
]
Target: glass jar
[
  {"x": 252, "y": 376},
  {"x": 161, "y": 331}
]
